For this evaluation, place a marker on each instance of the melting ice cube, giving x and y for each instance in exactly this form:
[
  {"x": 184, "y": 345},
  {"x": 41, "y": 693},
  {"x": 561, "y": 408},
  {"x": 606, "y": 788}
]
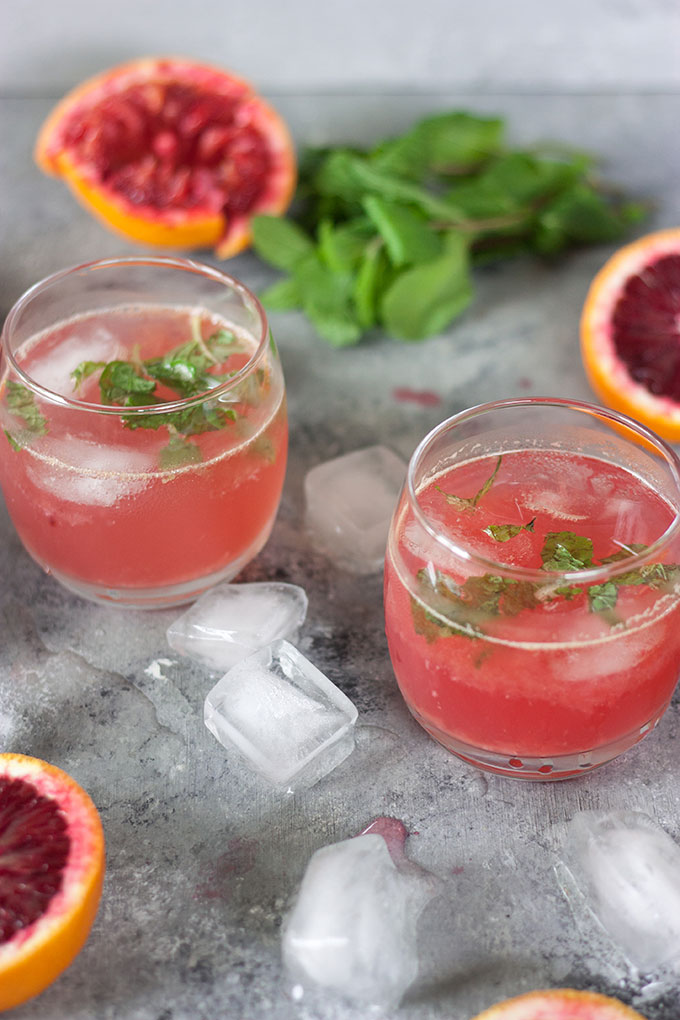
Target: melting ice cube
[
  {"x": 352, "y": 929},
  {"x": 628, "y": 869},
  {"x": 350, "y": 501},
  {"x": 231, "y": 621},
  {"x": 283, "y": 715}
]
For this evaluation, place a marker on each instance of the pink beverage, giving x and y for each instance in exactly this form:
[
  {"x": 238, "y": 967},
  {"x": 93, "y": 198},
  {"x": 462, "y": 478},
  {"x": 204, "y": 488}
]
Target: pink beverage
[
  {"x": 145, "y": 447},
  {"x": 532, "y": 603}
]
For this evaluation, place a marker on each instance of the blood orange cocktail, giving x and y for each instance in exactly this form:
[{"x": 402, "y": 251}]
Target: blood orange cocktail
[
  {"x": 532, "y": 586},
  {"x": 145, "y": 433}
]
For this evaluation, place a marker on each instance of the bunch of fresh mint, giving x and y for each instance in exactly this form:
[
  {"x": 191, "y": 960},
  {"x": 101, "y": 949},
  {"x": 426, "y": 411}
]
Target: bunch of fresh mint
[{"x": 387, "y": 237}]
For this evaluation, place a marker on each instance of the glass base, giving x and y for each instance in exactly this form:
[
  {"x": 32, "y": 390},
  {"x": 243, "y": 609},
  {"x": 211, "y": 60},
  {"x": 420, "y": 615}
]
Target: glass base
[
  {"x": 543, "y": 769},
  {"x": 158, "y": 598}
]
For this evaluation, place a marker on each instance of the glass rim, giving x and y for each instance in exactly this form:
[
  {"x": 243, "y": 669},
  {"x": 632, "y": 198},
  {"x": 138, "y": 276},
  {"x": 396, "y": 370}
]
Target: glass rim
[
  {"x": 587, "y": 575},
  {"x": 164, "y": 261}
]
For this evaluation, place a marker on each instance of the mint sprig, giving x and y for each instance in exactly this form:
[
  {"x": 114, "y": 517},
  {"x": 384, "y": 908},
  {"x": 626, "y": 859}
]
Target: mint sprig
[
  {"x": 465, "y": 609},
  {"x": 389, "y": 236},
  {"x": 187, "y": 371}
]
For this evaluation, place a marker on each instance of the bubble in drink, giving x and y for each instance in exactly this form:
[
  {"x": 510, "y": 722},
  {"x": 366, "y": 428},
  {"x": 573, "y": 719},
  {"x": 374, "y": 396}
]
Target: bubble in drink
[
  {"x": 628, "y": 869},
  {"x": 290, "y": 723},
  {"x": 231, "y": 621},
  {"x": 349, "y": 505},
  {"x": 352, "y": 929}
]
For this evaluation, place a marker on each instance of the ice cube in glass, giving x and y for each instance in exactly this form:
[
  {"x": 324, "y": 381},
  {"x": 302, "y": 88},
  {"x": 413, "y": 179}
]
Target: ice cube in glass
[
  {"x": 349, "y": 503},
  {"x": 231, "y": 621},
  {"x": 352, "y": 929},
  {"x": 288, "y": 720},
  {"x": 628, "y": 869}
]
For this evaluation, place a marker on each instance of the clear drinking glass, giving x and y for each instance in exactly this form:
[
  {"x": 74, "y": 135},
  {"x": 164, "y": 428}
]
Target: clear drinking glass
[
  {"x": 145, "y": 434},
  {"x": 532, "y": 585}
]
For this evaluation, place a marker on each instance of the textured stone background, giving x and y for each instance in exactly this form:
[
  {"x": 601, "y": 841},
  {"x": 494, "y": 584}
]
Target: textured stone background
[{"x": 203, "y": 858}]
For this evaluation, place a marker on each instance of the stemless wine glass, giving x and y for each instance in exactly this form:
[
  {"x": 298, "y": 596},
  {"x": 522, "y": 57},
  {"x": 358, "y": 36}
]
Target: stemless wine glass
[
  {"x": 532, "y": 585},
  {"x": 145, "y": 434}
]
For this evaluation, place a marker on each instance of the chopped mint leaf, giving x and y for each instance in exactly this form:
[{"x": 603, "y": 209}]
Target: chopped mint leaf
[
  {"x": 565, "y": 551},
  {"x": 602, "y": 597},
  {"x": 469, "y": 503},
  {"x": 504, "y": 532},
  {"x": 84, "y": 370},
  {"x": 178, "y": 453},
  {"x": 121, "y": 383},
  {"x": 14, "y": 443},
  {"x": 21, "y": 403}
]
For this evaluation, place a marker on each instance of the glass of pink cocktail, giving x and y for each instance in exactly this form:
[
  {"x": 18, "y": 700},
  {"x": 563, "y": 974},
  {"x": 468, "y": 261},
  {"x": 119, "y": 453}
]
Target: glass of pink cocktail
[
  {"x": 143, "y": 428},
  {"x": 532, "y": 585}
]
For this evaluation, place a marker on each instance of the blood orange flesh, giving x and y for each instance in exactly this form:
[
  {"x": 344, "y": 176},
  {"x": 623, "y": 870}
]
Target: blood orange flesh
[
  {"x": 51, "y": 872},
  {"x": 171, "y": 152},
  {"x": 560, "y": 1004},
  {"x": 630, "y": 332}
]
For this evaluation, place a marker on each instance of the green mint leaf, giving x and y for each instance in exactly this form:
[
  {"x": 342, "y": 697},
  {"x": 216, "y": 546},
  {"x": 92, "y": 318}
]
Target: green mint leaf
[
  {"x": 407, "y": 233},
  {"x": 223, "y": 343},
  {"x": 327, "y": 300},
  {"x": 180, "y": 374},
  {"x": 282, "y": 296},
  {"x": 342, "y": 247},
  {"x": 351, "y": 177},
  {"x": 121, "y": 383},
  {"x": 21, "y": 403},
  {"x": 279, "y": 241},
  {"x": 370, "y": 281},
  {"x": 452, "y": 142},
  {"x": 423, "y": 300},
  {"x": 16, "y": 444},
  {"x": 178, "y": 453},
  {"x": 518, "y": 595},
  {"x": 84, "y": 370},
  {"x": 565, "y": 551},
  {"x": 470, "y": 502},
  {"x": 577, "y": 216},
  {"x": 504, "y": 532},
  {"x": 602, "y": 597}
]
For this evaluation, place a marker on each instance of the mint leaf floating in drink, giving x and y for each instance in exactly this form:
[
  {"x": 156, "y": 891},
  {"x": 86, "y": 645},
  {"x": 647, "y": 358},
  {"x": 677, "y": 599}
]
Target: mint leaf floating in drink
[
  {"x": 469, "y": 503},
  {"x": 186, "y": 371},
  {"x": 565, "y": 551},
  {"x": 21, "y": 404},
  {"x": 84, "y": 370},
  {"x": 504, "y": 532}
]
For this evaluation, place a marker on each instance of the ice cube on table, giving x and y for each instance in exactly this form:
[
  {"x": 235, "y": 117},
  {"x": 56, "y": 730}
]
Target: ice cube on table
[
  {"x": 353, "y": 927},
  {"x": 283, "y": 715},
  {"x": 231, "y": 621},
  {"x": 628, "y": 870},
  {"x": 349, "y": 504}
]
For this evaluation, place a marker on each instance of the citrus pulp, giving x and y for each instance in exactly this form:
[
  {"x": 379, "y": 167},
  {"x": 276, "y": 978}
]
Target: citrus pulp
[
  {"x": 51, "y": 873},
  {"x": 171, "y": 153}
]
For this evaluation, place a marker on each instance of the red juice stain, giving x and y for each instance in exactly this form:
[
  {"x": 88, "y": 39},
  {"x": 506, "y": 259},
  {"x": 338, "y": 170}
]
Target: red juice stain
[
  {"x": 237, "y": 860},
  {"x": 425, "y": 398},
  {"x": 393, "y": 831}
]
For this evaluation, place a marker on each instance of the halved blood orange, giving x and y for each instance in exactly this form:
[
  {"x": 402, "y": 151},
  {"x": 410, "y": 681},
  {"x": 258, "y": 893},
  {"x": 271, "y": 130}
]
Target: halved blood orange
[
  {"x": 171, "y": 153},
  {"x": 51, "y": 874},
  {"x": 560, "y": 1004},
  {"x": 630, "y": 332}
]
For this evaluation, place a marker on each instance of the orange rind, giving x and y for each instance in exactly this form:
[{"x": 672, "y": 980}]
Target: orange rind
[
  {"x": 51, "y": 874},
  {"x": 560, "y": 1004},
  {"x": 630, "y": 332},
  {"x": 171, "y": 153}
]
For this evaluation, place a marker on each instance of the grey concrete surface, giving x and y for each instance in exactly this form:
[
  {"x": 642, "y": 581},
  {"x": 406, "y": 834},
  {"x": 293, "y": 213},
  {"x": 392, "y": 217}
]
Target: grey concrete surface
[
  {"x": 317, "y": 44},
  {"x": 203, "y": 858}
]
